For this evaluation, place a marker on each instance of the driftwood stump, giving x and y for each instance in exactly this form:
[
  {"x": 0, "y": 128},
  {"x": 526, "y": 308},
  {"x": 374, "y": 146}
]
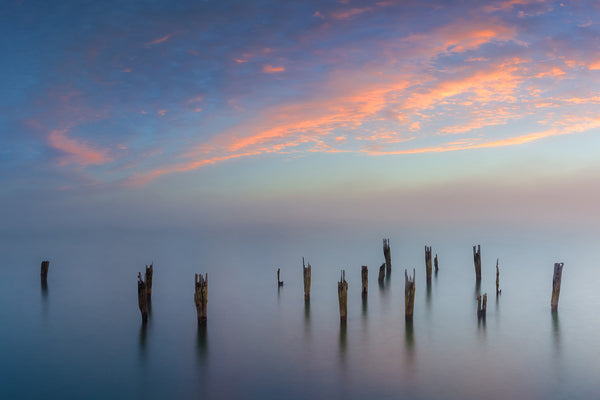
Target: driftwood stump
[
  {"x": 409, "y": 295},
  {"x": 481, "y": 306},
  {"x": 435, "y": 264},
  {"x": 428, "y": 262},
  {"x": 279, "y": 281},
  {"x": 556, "y": 279},
  {"x": 142, "y": 298},
  {"x": 201, "y": 296},
  {"x": 343, "y": 297},
  {"x": 364, "y": 274},
  {"x": 306, "y": 275},
  {"x": 381, "y": 274},
  {"x": 44, "y": 272},
  {"x": 477, "y": 262},
  {"x": 148, "y": 280},
  {"x": 387, "y": 255},
  {"x": 498, "y": 291}
]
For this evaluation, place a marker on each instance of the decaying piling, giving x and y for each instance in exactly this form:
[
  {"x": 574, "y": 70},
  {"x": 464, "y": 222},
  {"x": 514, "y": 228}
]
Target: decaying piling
[
  {"x": 44, "y": 272},
  {"x": 481, "y": 305},
  {"x": 201, "y": 296},
  {"x": 364, "y": 274},
  {"x": 477, "y": 262},
  {"x": 387, "y": 255},
  {"x": 428, "y": 262},
  {"x": 343, "y": 297},
  {"x": 279, "y": 281},
  {"x": 148, "y": 280},
  {"x": 381, "y": 274},
  {"x": 306, "y": 275},
  {"x": 409, "y": 295},
  {"x": 435, "y": 264},
  {"x": 556, "y": 285},
  {"x": 498, "y": 291},
  {"x": 142, "y": 298}
]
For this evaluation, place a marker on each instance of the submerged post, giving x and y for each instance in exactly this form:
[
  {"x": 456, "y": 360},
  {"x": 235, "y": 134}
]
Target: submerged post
[
  {"x": 498, "y": 291},
  {"x": 477, "y": 262},
  {"x": 142, "y": 298},
  {"x": 44, "y": 272},
  {"x": 343, "y": 297},
  {"x": 306, "y": 275},
  {"x": 409, "y": 295},
  {"x": 381, "y": 274},
  {"x": 148, "y": 280},
  {"x": 279, "y": 281},
  {"x": 556, "y": 285},
  {"x": 364, "y": 274},
  {"x": 387, "y": 255},
  {"x": 201, "y": 296},
  {"x": 428, "y": 262},
  {"x": 481, "y": 306},
  {"x": 435, "y": 263}
]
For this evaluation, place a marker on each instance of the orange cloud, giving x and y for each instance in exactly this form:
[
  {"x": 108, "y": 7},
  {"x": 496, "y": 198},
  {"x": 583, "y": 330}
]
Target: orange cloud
[
  {"x": 76, "y": 151},
  {"x": 160, "y": 39},
  {"x": 269, "y": 69}
]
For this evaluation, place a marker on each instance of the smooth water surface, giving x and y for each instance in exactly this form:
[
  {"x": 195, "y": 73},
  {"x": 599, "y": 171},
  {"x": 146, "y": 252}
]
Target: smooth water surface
[{"x": 82, "y": 337}]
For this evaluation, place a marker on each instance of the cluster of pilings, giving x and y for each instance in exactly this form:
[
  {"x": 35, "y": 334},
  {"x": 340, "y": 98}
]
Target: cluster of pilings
[{"x": 201, "y": 285}]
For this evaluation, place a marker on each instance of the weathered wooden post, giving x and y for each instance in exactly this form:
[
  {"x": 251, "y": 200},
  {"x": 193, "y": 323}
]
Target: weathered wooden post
[
  {"x": 409, "y": 295},
  {"x": 142, "y": 298},
  {"x": 435, "y": 263},
  {"x": 387, "y": 255},
  {"x": 279, "y": 281},
  {"x": 498, "y": 291},
  {"x": 556, "y": 279},
  {"x": 381, "y": 274},
  {"x": 306, "y": 275},
  {"x": 428, "y": 262},
  {"x": 477, "y": 262},
  {"x": 201, "y": 296},
  {"x": 481, "y": 306},
  {"x": 148, "y": 280},
  {"x": 364, "y": 274},
  {"x": 44, "y": 272},
  {"x": 343, "y": 297}
]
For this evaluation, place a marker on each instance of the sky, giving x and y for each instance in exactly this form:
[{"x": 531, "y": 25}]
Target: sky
[{"x": 210, "y": 113}]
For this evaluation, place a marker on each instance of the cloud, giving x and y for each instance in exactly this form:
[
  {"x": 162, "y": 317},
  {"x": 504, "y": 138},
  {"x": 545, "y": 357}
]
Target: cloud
[
  {"x": 77, "y": 151},
  {"x": 161, "y": 39},
  {"x": 269, "y": 69}
]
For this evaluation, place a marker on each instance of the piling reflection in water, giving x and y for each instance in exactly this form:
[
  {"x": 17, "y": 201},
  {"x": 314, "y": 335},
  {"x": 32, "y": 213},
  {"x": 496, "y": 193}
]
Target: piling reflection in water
[
  {"x": 556, "y": 332},
  {"x": 143, "y": 336},
  {"x": 202, "y": 341}
]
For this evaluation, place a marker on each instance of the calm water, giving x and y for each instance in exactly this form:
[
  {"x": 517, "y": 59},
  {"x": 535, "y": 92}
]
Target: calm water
[{"x": 83, "y": 337}]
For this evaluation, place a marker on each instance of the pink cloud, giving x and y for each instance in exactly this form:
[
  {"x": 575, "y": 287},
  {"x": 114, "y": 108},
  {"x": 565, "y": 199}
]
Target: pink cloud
[
  {"x": 269, "y": 69},
  {"x": 77, "y": 151}
]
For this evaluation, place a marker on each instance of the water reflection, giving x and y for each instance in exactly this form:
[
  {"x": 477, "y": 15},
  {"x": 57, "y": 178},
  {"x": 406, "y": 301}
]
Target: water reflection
[
  {"x": 477, "y": 288},
  {"x": 278, "y": 294},
  {"x": 143, "y": 336},
  {"x": 202, "y": 342},
  {"x": 409, "y": 340},
  {"x": 556, "y": 332},
  {"x": 428, "y": 295},
  {"x": 343, "y": 328},
  {"x": 364, "y": 306}
]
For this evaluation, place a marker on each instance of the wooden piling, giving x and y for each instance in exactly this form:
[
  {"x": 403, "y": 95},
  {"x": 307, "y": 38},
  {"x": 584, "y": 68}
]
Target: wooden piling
[
  {"x": 306, "y": 275},
  {"x": 279, "y": 281},
  {"x": 409, "y": 295},
  {"x": 148, "y": 280},
  {"x": 556, "y": 279},
  {"x": 498, "y": 291},
  {"x": 387, "y": 255},
  {"x": 142, "y": 298},
  {"x": 481, "y": 306},
  {"x": 477, "y": 262},
  {"x": 343, "y": 297},
  {"x": 364, "y": 273},
  {"x": 201, "y": 296},
  {"x": 435, "y": 263},
  {"x": 381, "y": 274},
  {"x": 44, "y": 272},
  {"x": 428, "y": 262}
]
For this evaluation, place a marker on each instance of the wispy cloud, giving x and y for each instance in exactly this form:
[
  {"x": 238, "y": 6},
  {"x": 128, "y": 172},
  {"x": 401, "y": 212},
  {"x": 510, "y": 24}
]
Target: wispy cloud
[{"x": 77, "y": 151}]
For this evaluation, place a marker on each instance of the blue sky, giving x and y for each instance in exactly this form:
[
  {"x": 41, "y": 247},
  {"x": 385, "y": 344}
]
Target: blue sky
[{"x": 119, "y": 112}]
